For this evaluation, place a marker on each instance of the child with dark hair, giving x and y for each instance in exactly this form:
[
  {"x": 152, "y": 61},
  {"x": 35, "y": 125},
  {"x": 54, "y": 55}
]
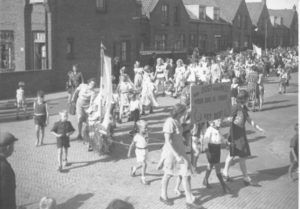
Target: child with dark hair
[
  {"x": 62, "y": 129},
  {"x": 294, "y": 152},
  {"x": 41, "y": 117}
]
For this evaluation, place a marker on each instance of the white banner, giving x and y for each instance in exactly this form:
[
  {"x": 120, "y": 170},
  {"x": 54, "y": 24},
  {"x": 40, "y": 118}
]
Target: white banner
[
  {"x": 257, "y": 50},
  {"x": 106, "y": 90},
  {"x": 210, "y": 102}
]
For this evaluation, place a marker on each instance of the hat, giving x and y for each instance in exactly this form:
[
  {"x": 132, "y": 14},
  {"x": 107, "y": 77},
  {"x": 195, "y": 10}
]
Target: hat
[{"x": 7, "y": 138}]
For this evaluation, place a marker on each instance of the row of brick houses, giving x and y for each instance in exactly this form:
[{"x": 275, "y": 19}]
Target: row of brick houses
[{"x": 55, "y": 34}]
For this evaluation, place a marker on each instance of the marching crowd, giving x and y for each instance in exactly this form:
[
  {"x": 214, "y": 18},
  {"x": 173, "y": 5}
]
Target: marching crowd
[{"x": 131, "y": 99}]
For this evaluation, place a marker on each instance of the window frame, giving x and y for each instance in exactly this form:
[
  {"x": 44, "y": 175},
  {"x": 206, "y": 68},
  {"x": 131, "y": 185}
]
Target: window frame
[
  {"x": 103, "y": 8},
  {"x": 9, "y": 43},
  {"x": 70, "y": 52},
  {"x": 165, "y": 13},
  {"x": 177, "y": 15}
]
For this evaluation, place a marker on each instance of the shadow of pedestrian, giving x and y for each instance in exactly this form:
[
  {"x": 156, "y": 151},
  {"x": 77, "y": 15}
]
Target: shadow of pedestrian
[
  {"x": 271, "y": 174},
  {"x": 275, "y": 102},
  {"x": 76, "y": 201},
  {"x": 85, "y": 164}
]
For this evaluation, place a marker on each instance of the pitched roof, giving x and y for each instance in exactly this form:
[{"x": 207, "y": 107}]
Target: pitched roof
[
  {"x": 228, "y": 8},
  {"x": 286, "y": 14},
  {"x": 148, "y": 6},
  {"x": 255, "y": 9},
  {"x": 200, "y": 2}
]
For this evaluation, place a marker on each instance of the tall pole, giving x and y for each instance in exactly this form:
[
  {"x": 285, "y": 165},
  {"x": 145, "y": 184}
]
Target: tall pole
[
  {"x": 266, "y": 31},
  {"x": 101, "y": 76}
]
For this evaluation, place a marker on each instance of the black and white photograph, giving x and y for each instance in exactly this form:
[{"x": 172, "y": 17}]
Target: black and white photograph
[{"x": 149, "y": 104}]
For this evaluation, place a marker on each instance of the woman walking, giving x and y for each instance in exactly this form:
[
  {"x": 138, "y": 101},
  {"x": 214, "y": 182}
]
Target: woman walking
[
  {"x": 238, "y": 140},
  {"x": 174, "y": 157}
]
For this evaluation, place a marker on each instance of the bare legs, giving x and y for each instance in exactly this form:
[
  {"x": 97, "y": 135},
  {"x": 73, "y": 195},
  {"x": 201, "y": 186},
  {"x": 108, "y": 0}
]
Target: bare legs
[{"x": 40, "y": 133}]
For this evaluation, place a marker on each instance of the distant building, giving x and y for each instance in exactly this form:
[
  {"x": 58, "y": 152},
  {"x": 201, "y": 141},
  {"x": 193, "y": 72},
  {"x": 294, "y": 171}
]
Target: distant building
[
  {"x": 285, "y": 24},
  {"x": 236, "y": 13},
  {"x": 262, "y": 29}
]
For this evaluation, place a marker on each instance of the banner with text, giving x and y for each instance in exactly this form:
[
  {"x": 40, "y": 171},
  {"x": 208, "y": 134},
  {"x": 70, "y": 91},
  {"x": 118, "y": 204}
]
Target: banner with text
[{"x": 210, "y": 102}]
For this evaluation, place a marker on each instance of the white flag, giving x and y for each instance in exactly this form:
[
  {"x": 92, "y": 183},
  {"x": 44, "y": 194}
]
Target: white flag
[
  {"x": 257, "y": 50},
  {"x": 107, "y": 90}
]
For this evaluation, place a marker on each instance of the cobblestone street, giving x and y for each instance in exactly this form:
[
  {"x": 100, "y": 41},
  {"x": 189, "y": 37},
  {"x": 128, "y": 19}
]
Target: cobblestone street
[{"x": 92, "y": 181}]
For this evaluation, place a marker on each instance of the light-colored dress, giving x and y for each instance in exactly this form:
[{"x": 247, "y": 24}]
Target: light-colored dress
[
  {"x": 147, "y": 95},
  {"x": 138, "y": 78},
  {"x": 124, "y": 89},
  {"x": 171, "y": 166}
]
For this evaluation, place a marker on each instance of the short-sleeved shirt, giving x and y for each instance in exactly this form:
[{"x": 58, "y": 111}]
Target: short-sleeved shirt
[
  {"x": 20, "y": 94},
  {"x": 213, "y": 136},
  {"x": 63, "y": 127},
  {"x": 75, "y": 79},
  {"x": 85, "y": 94},
  {"x": 141, "y": 141},
  {"x": 294, "y": 144}
]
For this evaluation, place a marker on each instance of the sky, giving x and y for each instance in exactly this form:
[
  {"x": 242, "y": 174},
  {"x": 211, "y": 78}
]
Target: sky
[{"x": 279, "y": 4}]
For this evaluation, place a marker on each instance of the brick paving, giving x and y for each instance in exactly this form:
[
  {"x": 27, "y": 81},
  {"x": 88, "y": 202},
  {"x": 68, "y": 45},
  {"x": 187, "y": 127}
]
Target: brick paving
[{"x": 92, "y": 181}]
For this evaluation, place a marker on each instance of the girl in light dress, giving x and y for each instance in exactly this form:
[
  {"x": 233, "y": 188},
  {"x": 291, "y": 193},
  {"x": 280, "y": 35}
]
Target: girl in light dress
[
  {"x": 160, "y": 76},
  {"x": 179, "y": 76},
  {"x": 148, "y": 99},
  {"x": 124, "y": 88},
  {"x": 138, "y": 78}
]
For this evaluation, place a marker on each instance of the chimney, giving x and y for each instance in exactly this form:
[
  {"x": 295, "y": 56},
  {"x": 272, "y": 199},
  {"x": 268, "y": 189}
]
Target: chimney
[
  {"x": 294, "y": 8},
  {"x": 264, "y": 2}
]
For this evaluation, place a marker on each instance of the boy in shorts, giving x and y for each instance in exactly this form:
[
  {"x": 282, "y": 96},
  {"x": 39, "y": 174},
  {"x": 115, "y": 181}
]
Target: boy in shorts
[
  {"x": 62, "y": 129},
  {"x": 140, "y": 141}
]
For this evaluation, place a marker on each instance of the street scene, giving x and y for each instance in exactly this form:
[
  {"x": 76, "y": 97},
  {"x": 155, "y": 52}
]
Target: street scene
[{"x": 161, "y": 104}]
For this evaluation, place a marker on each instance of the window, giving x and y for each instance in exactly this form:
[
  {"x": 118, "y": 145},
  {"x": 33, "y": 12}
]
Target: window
[
  {"x": 39, "y": 50},
  {"x": 125, "y": 51},
  {"x": 193, "y": 41},
  {"x": 7, "y": 51},
  {"x": 202, "y": 14},
  {"x": 70, "y": 47},
  {"x": 179, "y": 42},
  {"x": 202, "y": 42},
  {"x": 177, "y": 15},
  {"x": 101, "y": 5},
  {"x": 216, "y": 13},
  {"x": 165, "y": 13},
  {"x": 160, "y": 42}
]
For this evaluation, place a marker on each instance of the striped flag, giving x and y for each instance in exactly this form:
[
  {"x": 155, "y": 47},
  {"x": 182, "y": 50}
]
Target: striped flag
[{"x": 257, "y": 50}]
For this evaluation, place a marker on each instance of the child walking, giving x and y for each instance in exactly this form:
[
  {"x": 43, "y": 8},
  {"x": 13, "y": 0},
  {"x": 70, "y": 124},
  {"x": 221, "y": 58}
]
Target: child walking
[
  {"x": 41, "y": 117},
  {"x": 140, "y": 141},
  {"x": 212, "y": 146},
  {"x": 134, "y": 108},
  {"x": 294, "y": 152},
  {"x": 62, "y": 130},
  {"x": 21, "y": 102}
]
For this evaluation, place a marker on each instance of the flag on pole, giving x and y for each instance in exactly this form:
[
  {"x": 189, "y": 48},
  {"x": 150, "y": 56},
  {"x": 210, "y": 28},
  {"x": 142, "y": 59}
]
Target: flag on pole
[
  {"x": 257, "y": 50},
  {"x": 105, "y": 87}
]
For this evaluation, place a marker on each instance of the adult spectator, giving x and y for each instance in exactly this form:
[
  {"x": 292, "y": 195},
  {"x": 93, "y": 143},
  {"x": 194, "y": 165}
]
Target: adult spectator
[
  {"x": 152, "y": 62},
  {"x": 7, "y": 175},
  {"x": 86, "y": 94},
  {"x": 75, "y": 78},
  {"x": 116, "y": 69}
]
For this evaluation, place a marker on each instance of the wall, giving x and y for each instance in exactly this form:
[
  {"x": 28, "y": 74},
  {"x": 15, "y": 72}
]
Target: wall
[
  {"x": 171, "y": 30},
  {"x": 244, "y": 33},
  {"x": 34, "y": 80},
  {"x": 88, "y": 27}
]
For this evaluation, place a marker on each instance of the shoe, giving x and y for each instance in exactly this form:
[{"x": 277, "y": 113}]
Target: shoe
[
  {"x": 132, "y": 171},
  {"x": 143, "y": 181},
  {"x": 177, "y": 192},
  {"x": 66, "y": 163},
  {"x": 59, "y": 169},
  {"x": 227, "y": 178},
  {"x": 36, "y": 144},
  {"x": 251, "y": 183},
  {"x": 79, "y": 137},
  {"x": 90, "y": 148},
  {"x": 167, "y": 201},
  {"x": 193, "y": 206}
]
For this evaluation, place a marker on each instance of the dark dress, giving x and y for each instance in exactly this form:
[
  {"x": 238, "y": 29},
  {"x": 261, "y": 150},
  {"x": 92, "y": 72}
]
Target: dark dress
[
  {"x": 7, "y": 185},
  {"x": 238, "y": 140},
  {"x": 214, "y": 153}
]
